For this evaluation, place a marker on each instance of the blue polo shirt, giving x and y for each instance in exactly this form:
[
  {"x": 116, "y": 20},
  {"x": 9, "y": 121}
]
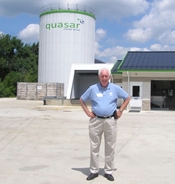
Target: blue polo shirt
[{"x": 104, "y": 100}]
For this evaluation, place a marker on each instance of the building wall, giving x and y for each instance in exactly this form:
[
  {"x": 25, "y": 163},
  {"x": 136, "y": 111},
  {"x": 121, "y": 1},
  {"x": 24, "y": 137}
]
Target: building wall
[
  {"x": 146, "y": 78},
  {"x": 146, "y": 91}
]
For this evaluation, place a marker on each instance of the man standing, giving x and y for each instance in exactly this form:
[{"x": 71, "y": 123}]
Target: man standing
[{"x": 103, "y": 119}]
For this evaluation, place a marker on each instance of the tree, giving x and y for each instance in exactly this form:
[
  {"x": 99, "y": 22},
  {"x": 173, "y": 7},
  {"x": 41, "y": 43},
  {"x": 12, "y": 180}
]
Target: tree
[{"x": 18, "y": 63}]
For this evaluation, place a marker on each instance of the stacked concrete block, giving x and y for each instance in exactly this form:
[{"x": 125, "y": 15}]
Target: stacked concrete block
[{"x": 38, "y": 91}]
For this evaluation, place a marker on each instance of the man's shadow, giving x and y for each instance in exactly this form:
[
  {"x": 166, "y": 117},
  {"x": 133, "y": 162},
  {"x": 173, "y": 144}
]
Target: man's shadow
[{"x": 86, "y": 171}]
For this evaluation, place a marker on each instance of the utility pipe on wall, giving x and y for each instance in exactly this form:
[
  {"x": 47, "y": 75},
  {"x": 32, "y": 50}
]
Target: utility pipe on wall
[
  {"x": 128, "y": 82},
  {"x": 128, "y": 87}
]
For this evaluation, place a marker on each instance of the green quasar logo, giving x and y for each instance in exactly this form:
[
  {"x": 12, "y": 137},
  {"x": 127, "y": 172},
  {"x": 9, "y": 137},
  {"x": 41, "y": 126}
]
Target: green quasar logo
[
  {"x": 81, "y": 21},
  {"x": 65, "y": 25}
]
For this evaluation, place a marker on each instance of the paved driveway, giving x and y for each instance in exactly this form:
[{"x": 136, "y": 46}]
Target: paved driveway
[{"x": 50, "y": 145}]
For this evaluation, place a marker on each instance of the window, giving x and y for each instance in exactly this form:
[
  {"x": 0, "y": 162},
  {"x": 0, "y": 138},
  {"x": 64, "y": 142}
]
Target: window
[{"x": 136, "y": 91}]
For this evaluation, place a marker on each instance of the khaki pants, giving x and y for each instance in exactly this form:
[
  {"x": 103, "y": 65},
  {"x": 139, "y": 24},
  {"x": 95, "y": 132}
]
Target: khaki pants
[{"x": 97, "y": 127}]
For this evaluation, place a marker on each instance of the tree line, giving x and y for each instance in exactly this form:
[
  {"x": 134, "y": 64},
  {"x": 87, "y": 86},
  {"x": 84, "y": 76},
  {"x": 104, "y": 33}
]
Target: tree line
[{"x": 18, "y": 63}]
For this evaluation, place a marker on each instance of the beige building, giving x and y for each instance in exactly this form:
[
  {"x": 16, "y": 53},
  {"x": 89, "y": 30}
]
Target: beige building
[{"x": 149, "y": 78}]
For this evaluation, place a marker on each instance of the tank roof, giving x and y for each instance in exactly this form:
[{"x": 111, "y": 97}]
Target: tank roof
[{"x": 68, "y": 7}]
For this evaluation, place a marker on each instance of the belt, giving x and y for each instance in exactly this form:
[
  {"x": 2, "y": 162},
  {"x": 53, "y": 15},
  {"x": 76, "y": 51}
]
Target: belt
[{"x": 105, "y": 117}]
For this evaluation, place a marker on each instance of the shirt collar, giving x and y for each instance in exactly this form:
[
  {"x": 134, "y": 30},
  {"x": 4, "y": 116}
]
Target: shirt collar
[{"x": 100, "y": 86}]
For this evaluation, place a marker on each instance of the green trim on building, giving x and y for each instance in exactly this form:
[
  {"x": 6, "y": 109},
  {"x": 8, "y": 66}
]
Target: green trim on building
[
  {"x": 122, "y": 61},
  {"x": 120, "y": 64},
  {"x": 148, "y": 71},
  {"x": 129, "y": 70},
  {"x": 114, "y": 67},
  {"x": 67, "y": 11},
  {"x": 117, "y": 73}
]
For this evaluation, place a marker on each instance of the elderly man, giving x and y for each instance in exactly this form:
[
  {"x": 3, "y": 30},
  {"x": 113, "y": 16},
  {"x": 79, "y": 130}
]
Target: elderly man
[{"x": 103, "y": 119}]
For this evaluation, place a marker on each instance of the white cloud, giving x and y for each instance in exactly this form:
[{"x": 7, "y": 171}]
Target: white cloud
[
  {"x": 153, "y": 27},
  {"x": 113, "y": 59},
  {"x": 97, "y": 48},
  {"x": 116, "y": 53},
  {"x": 158, "y": 47},
  {"x": 167, "y": 37},
  {"x": 116, "y": 9},
  {"x": 113, "y": 53},
  {"x": 111, "y": 41},
  {"x": 111, "y": 9},
  {"x": 168, "y": 48},
  {"x": 165, "y": 4},
  {"x": 139, "y": 35},
  {"x": 138, "y": 49},
  {"x": 100, "y": 34},
  {"x": 156, "y": 24},
  {"x": 11, "y": 8},
  {"x": 30, "y": 34}
]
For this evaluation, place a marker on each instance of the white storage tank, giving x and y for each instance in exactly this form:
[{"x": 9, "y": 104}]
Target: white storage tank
[{"x": 67, "y": 36}]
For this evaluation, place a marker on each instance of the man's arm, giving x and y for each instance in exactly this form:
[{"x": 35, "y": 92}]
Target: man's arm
[
  {"x": 85, "y": 108},
  {"x": 122, "y": 108}
]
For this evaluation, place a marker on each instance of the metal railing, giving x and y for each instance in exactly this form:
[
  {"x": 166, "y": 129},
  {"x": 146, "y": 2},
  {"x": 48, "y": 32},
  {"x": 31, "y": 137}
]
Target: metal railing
[{"x": 68, "y": 6}]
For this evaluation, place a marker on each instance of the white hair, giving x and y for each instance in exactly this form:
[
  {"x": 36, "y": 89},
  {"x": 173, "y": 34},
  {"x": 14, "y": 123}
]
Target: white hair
[{"x": 106, "y": 69}]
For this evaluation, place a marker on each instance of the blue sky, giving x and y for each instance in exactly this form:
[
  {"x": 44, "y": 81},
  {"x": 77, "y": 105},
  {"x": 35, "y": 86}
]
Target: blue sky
[{"x": 121, "y": 25}]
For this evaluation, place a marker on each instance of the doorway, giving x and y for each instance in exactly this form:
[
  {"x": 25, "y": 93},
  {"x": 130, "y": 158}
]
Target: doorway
[
  {"x": 163, "y": 94},
  {"x": 136, "y": 96}
]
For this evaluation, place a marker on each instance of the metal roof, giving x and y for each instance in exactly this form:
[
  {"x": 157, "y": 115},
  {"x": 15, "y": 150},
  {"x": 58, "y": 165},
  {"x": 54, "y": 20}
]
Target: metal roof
[
  {"x": 98, "y": 61},
  {"x": 114, "y": 69},
  {"x": 146, "y": 61}
]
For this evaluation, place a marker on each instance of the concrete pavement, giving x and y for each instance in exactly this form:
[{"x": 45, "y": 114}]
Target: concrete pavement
[{"x": 50, "y": 145}]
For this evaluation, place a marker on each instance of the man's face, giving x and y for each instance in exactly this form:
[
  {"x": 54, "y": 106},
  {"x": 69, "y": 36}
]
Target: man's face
[{"x": 104, "y": 78}]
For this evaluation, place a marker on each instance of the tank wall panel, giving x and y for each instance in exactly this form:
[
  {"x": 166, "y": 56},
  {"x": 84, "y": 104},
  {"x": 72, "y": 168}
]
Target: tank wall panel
[{"x": 65, "y": 38}]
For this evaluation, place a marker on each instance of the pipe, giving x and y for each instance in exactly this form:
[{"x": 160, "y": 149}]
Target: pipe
[
  {"x": 128, "y": 82},
  {"x": 128, "y": 88},
  {"x": 111, "y": 79}
]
